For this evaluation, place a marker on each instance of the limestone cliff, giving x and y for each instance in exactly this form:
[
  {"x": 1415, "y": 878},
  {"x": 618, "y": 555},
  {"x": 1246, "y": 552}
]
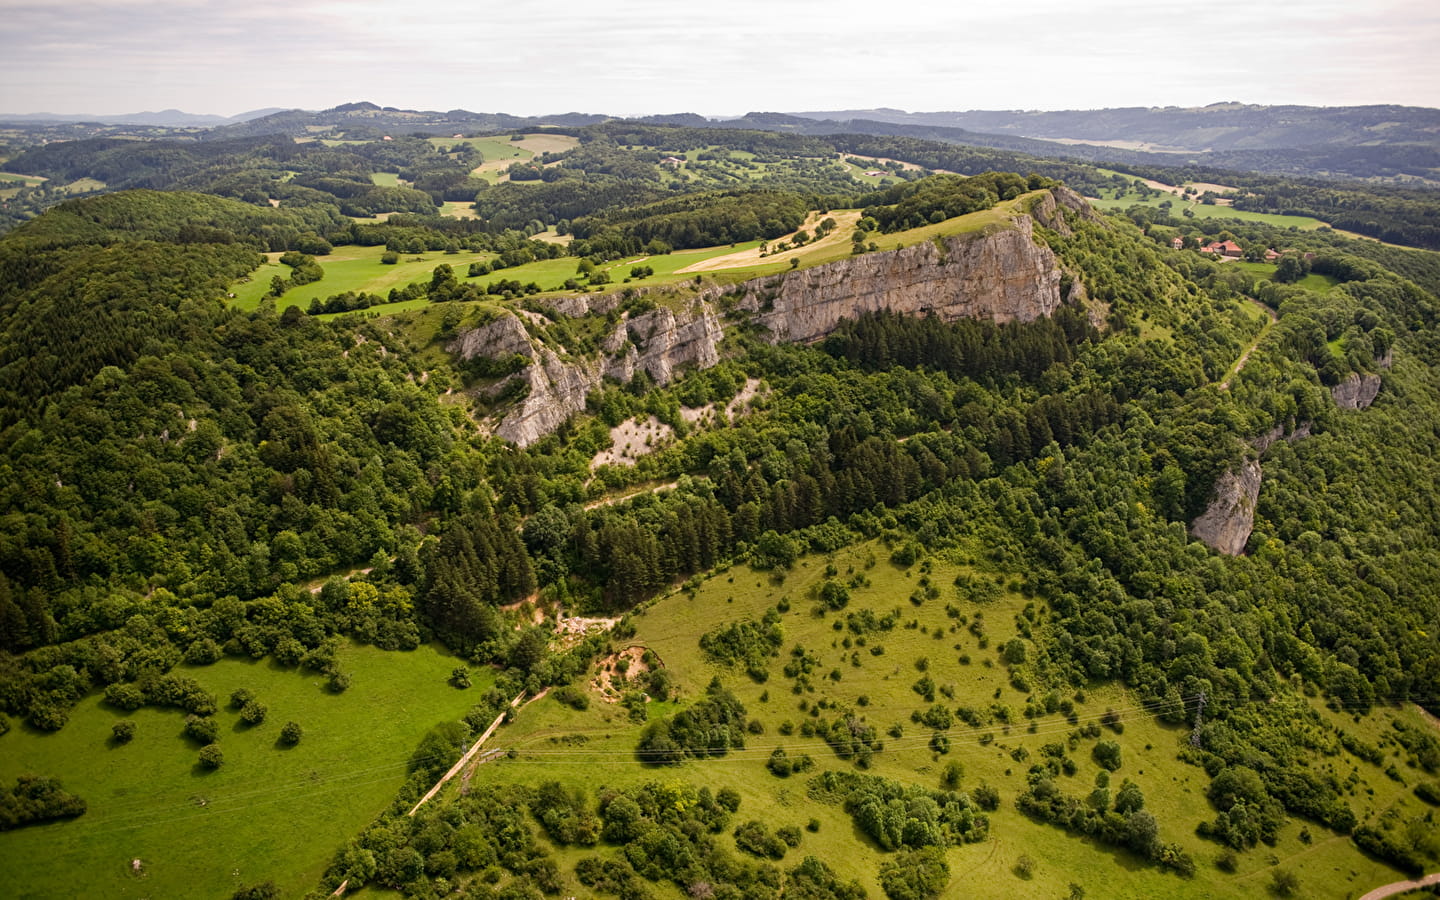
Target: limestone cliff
[
  {"x": 1002, "y": 275},
  {"x": 1356, "y": 391},
  {"x": 658, "y": 342},
  {"x": 1228, "y": 520}
]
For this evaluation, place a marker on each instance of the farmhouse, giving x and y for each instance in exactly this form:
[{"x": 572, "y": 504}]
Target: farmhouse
[
  {"x": 1226, "y": 249},
  {"x": 1177, "y": 242},
  {"x": 876, "y": 173},
  {"x": 673, "y": 161}
]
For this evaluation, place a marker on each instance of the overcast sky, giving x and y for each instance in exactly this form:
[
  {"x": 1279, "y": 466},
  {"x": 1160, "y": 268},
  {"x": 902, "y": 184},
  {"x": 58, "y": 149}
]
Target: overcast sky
[{"x": 718, "y": 57}]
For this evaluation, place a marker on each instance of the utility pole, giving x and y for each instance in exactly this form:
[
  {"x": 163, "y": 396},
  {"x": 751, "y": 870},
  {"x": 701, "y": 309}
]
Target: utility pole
[{"x": 1199, "y": 718}]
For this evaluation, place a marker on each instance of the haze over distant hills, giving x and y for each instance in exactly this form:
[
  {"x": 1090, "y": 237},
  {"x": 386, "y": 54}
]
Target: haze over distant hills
[
  {"x": 169, "y": 118},
  {"x": 1217, "y": 127}
]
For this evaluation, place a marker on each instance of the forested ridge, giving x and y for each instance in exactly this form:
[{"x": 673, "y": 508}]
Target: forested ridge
[{"x": 184, "y": 482}]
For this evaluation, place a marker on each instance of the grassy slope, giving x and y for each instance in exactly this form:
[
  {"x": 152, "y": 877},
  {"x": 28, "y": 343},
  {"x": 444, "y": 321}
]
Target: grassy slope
[
  {"x": 270, "y": 813},
  {"x": 599, "y": 747},
  {"x": 349, "y": 268}
]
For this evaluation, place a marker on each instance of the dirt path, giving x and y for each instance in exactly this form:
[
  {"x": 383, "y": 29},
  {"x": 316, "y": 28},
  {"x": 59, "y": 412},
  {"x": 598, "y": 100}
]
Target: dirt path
[
  {"x": 621, "y": 498},
  {"x": 470, "y": 754},
  {"x": 1245, "y": 355},
  {"x": 319, "y": 585},
  {"x": 1400, "y": 887},
  {"x": 844, "y": 225}
]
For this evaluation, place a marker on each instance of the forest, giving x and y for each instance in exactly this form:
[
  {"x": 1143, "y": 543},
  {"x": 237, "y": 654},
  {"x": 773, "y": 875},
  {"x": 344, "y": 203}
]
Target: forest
[{"x": 189, "y": 485}]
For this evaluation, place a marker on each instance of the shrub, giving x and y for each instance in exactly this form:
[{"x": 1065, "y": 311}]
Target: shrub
[
  {"x": 290, "y": 734},
  {"x": 253, "y": 713},
  {"x": 211, "y": 756},
  {"x": 202, "y": 729},
  {"x": 123, "y": 732}
]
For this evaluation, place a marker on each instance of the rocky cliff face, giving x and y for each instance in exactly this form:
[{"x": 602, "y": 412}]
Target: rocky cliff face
[
  {"x": 1228, "y": 520},
  {"x": 1002, "y": 276},
  {"x": 1356, "y": 391},
  {"x": 658, "y": 342}
]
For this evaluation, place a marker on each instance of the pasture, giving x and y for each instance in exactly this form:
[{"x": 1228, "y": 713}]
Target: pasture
[
  {"x": 1203, "y": 211},
  {"x": 269, "y": 813},
  {"x": 348, "y": 268},
  {"x": 955, "y": 639},
  {"x": 500, "y": 151},
  {"x": 1311, "y": 282}
]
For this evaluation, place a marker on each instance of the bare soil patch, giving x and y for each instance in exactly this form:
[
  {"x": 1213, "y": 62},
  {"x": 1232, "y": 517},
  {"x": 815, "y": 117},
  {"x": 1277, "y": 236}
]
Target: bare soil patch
[
  {"x": 607, "y": 683},
  {"x": 631, "y": 440},
  {"x": 741, "y": 403}
]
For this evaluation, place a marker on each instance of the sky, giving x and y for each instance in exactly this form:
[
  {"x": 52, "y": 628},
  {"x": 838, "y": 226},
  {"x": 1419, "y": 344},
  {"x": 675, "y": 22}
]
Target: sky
[{"x": 719, "y": 57}]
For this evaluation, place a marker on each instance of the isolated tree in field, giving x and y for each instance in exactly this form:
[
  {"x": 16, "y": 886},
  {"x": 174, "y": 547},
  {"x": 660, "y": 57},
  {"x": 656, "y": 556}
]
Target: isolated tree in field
[
  {"x": 241, "y": 696},
  {"x": 290, "y": 734},
  {"x": 123, "y": 731},
  {"x": 211, "y": 756}
]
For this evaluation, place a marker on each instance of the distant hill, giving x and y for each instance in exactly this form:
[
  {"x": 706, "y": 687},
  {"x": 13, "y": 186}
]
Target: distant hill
[
  {"x": 167, "y": 118},
  {"x": 366, "y": 120},
  {"x": 1218, "y": 127}
]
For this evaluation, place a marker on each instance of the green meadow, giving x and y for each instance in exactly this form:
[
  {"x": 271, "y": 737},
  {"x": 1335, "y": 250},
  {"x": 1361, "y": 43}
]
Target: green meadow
[
  {"x": 349, "y": 268},
  {"x": 1311, "y": 282},
  {"x": 1202, "y": 211},
  {"x": 269, "y": 813},
  {"x": 874, "y": 678}
]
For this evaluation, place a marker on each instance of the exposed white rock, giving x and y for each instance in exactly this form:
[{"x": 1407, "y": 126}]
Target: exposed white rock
[
  {"x": 1356, "y": 391},
  {"x": 1001, "y": 276},
  {"x": 1228, "y": 520}
]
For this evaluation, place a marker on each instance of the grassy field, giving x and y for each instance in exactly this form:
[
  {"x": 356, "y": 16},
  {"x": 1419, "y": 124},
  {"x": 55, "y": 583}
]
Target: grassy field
[
  {"x": 458, "y": 209},
  {"x": 1304, "y": 223},
  {"x": 1311, "y": 282},
  {"x": 385, "y": 179},
  {"x": 501, "y": 151},
  {"x": 268, "y": 813},
  {"x": 349, "y": 268},
  {"x": 1108, "y": 201},
  {"x": 595, "y": 748},
  {"x": 24, "y": 180}
]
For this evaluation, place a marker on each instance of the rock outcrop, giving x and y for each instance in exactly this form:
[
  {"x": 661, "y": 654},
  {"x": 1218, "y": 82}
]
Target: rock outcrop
[
  {"x": 1002, "y": 275},
  {"x": 657, "y": 342},
  {"x": 1356, "y": 391},
  {"x": 1280, "y": 432},
  {"x": 1228, "y": 520}
]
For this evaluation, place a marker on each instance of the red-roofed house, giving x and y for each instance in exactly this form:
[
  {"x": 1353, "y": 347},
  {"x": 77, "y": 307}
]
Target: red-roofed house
[{"x": 1227, "y": 249}]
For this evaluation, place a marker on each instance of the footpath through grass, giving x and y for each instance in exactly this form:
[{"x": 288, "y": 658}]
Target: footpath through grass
[{"x": 269, "y": 813}]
